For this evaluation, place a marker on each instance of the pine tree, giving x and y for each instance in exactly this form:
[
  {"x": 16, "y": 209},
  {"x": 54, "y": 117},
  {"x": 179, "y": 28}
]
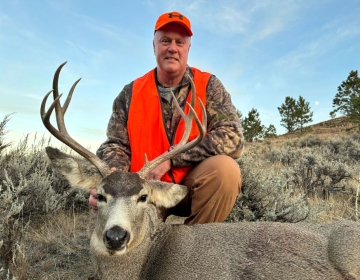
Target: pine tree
[
  {"x": 303, "y": 115},
  {"x": 287, "y": 112},
  {"x": 347, "y": 99},
  {"x": 253, "y": 129},
  {"x": 270, "y": 132}
]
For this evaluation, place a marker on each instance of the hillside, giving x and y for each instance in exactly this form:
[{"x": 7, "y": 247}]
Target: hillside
[
  {"x": 324, "y": 130},
  {"x": 340, "y": 125}
]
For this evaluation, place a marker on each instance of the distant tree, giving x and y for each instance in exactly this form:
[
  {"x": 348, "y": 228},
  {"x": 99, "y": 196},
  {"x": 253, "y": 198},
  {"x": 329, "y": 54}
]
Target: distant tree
[
  {"x": 239, "y": 114},
  {"x": 287, "y": 112},
  {"x": 270, "y": 132},
  {"x": 347, "y": 99},
  {"x": 253, "y": 129},
  {"x": 303, "y": 114}
]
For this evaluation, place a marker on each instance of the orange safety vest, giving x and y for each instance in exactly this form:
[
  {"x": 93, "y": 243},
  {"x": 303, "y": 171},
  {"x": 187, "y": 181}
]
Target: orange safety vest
[{"x": 146, "y": 130}]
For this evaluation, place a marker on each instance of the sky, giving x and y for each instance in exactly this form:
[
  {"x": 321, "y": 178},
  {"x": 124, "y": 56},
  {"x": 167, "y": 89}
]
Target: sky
[{"x": 261, "y": 50}]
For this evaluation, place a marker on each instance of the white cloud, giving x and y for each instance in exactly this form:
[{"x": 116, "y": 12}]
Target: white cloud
[
  {"x": 269, "y": 17},
  {"x": 33, "y": 96},
  {"x": 256, "y": 19},
  {"x": 319, "y": 42},
  {"x": 97, "y": 55},
  {"x": 122, "y": 35}
]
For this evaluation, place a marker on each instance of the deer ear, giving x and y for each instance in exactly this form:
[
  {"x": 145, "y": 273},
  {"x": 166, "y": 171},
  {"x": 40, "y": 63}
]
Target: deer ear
[
  {"x": 79, "y": 172},
  {"x": 166, "y": 194}
]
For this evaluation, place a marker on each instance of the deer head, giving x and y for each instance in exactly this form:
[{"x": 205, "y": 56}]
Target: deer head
[{"x": 126, "y": 201}]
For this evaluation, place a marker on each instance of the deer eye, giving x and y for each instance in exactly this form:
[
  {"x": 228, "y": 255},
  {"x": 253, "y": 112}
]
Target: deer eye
[
  {"x": 142, "y": 198},
  {"x": 101, "y": 198}
]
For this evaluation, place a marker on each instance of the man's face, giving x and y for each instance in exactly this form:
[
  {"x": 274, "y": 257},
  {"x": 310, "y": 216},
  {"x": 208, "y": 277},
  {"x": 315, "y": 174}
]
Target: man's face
[{"x": 171, "y": 48}]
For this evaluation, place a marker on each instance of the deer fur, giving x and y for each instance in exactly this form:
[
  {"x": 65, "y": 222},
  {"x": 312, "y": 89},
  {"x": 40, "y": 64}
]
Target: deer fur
[{"x": 153, "y": 249}]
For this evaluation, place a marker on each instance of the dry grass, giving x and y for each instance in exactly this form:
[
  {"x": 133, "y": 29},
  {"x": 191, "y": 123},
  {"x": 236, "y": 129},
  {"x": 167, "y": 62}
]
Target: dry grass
[
  {"x": 339, "y": 207},
  {"x": 56, "y": 247}
]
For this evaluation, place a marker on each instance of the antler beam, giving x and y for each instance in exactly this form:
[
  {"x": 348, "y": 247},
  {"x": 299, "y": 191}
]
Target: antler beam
[{"x": 61, "y": 133}]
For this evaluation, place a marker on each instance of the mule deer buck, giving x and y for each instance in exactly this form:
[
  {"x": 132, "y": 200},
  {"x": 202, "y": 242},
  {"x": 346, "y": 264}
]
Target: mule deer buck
[{"x": 131, "y": 241}]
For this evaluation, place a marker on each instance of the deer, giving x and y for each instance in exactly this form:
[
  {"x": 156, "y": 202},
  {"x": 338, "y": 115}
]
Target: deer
[{"x": 130, "y": 239}]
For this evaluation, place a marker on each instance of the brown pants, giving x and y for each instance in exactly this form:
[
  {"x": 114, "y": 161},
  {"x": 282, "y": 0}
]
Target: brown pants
[{"x": 214, "y": 185}]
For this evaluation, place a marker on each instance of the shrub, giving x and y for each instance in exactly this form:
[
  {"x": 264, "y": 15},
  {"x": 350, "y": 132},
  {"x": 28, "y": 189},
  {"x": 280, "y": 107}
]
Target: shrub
[
  {"x": 317, "y": 166},
  {"x": 266, "y": 195},
  {"x": 28, "y": 188},
  {"x": 3, "y": 123},
  {"x": 310, "y": 141},
  {"x": 278, "y": 182}
]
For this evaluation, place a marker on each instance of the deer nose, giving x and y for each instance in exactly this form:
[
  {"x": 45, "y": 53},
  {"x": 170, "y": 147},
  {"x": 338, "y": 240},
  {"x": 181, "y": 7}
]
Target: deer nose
[{"x": 115, "y": 237}]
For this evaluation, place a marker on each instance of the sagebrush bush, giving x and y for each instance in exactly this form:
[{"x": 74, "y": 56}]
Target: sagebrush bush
[
  {"x": 319, "y": 166},
  {"x": 310, "y": 141},
  {"x": 28, "y": 188},
  {"x": 278, "y": 181},
  {"x": 266, "y": 195},
  {"x": 3, "y": 123}
]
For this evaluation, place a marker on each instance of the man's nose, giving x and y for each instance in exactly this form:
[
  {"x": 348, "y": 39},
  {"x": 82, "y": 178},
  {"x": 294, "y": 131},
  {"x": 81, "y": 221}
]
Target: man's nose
[{"x": 172, "y": 46}]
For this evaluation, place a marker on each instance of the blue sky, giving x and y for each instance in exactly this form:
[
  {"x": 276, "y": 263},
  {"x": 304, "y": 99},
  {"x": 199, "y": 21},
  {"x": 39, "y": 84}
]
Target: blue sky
[{"x": 262, "y": 51}]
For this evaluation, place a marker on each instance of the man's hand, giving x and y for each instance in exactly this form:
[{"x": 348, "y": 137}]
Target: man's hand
[
  {"x": 93, "y": 195},
  {"x": 159, "y": 171},
  {"x": 93, "y": 199}
]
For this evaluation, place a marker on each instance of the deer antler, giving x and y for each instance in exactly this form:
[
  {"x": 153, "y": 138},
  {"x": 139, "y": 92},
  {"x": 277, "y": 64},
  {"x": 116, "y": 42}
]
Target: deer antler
[
  {"x": 183, "y": 145},
  {"x": 61, "y": 133}
]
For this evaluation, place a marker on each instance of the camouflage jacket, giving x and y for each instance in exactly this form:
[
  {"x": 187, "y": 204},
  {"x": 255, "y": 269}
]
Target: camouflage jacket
[{"x": 224, "y": 132}]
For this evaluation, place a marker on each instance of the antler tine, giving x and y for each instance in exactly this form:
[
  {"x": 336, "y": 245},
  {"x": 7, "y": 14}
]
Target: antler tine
[
  {"x": 61, "y": 110},
  {"x": 193, "y": 90},
  {"x": 58, "y": 109},
  {"x": 61, "y": 132},
  {"x": 183, "y": 144},
  {"x": 188, "y": 118}
]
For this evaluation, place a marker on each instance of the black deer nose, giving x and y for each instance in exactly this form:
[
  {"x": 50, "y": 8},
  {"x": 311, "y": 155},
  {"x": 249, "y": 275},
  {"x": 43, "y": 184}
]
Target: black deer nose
[{"x": 115, "y": 237}]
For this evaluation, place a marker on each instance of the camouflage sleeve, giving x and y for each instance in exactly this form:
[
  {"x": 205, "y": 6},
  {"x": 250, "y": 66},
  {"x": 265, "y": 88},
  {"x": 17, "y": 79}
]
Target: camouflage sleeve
[
  {"x": 224, "y": 132},
  {"x": 115, "y": 151}
]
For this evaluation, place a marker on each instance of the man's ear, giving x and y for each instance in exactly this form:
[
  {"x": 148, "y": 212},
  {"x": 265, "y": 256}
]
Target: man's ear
[
  {"x": 164, "y": 194},
  {"x": 79, "y": 172}
]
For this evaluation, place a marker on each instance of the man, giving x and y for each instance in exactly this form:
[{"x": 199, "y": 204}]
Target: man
[{"x": 144, "y": 120}]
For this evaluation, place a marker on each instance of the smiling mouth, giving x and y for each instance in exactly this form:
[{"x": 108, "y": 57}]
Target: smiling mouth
[{"x": 171, "y": 58}]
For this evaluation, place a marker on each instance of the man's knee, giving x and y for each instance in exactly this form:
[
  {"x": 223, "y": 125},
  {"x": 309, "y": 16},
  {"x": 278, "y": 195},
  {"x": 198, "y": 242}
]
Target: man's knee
[
  {"x": 215, "y": 184},
  {"x": 226, "y": 171},
  {"x": 216, "y": 173}
]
